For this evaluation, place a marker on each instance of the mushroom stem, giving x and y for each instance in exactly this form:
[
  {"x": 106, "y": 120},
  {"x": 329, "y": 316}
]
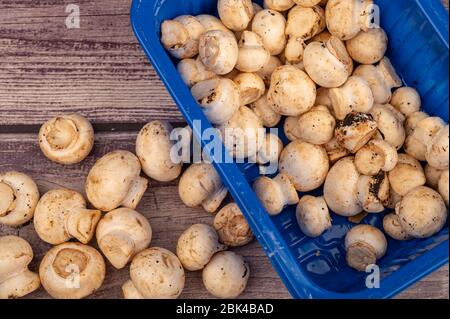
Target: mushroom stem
[
  {"x": 118, "y": 247},
  {"x": 290, "y": 196},
  {"x": 130, "y": 291},
  {"x": 212, "y": 203},
  {"x": 61, "y": 133},
  {"x": 81, "y": 223},
  {"x": 137, "y": 190},
  {"x": 19, "y": 284},
  {"x": 7, "y": 199},
  {"x": 360, "y": 255}
]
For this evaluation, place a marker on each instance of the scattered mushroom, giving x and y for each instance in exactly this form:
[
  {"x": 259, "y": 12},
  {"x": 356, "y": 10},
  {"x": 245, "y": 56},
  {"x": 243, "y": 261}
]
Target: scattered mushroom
[
  {"x": 155, "y": 273},
  {"x": 365, "y": 245},
  {"x": 180, "y": 37},
  {"x": 406, "y": 100},
  {"x": 266, "y": 72},
  {"x": 252, "y": 55},
  {"x": 291, "y": 91},
  {"x": 368, "y": 47},
  {"x": 219, "y": 99},
  {"x": 373, "y": 192},
  {"x": 251, "y": 87},
  {"x": 197, "y": 245},
  {"x": 72, "y": 271},
  {"x": 231, "y": 226},
  {"x": 393, "y": 228},
  {"x": 66, "y": 139},
  {"x": 275, "y": 193},
  {"x": 16, "y": 280},
  {"x": 218, "y": 51},
  {"x": 305, "y": 22},
  {"x": 235, "y": 14},
  {"x": 422, "y": 212},
  {"x": 263, "y": 109},
  {"x": 226, "y": 275},
  {"x": 421, "y": 139},
  {"x": 115, "y": 181},
  {"x": 313, "y": 216},
  {"x": 390, "y": 124},
  {"x": 153, "y": 148},
  {"x": 328, "y": 63},
  {"x": 407, "y": 175},
  {"x": 19, "y": 196},
  {"x": 192, "y": 71},
  {"x": 376, "y": 156},
  {"x": 270, "y": 26},
  {"x": 443, "y": 186},
  {"x": 354, "y": 95},
  {"x": 316, "y": 126},
  {"x": 201, "y": 185},
  {"x": 306, "y": 165},
  {"x": 437, "y": 153},
  {"x": 61, "y": 214},
  {"x": 343, "y": 175},
  {"x": 121, "y": 234},
  {"x": 355, "y": 130}
]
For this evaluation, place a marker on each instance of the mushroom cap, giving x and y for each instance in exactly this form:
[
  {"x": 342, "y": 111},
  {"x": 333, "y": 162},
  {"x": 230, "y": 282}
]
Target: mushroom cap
[
  {"x": 328, "y": 63},
  {"x": 313, "y": 216},
  {"x": 263, "y": 109},
  {"x": 211, "y": 23},
  {"x": 218, "y": 51},
  {"x": 432, "y": 175},
  {"x": 153, "y": 148},
  {"x": 355, "y": 130},
  {"x": 235, "y": 14},
  {"x": 290, "y": 128},
  {"x": 232, "y": 227},
  {"x": 364, "y": 244},
  {"x": 291, "y": 91},
  {"x": 316, "y": 126},
  {"x": 19, "y": 196},
  {"x": 390, "y": 124},
  {"x": 270, "y": 26},
  {"x": 437, "y": 153},
  {"x": 121, "y": 234},
  {"x": 252, "y": 54},
  {"x": 393, "y": 228},
  {"x": 406, "y": 100},
  {"x": 113, "y": 178},
  {"x": 55, "y": 219},
  {"x": 251, "y": 87},
  {"x": 422, "y": 212},
  {"x": 72, "y": 271},
  {"x": 226, "y": 275},
  {"x": 306, "y": 165},
  {"x": 373, "y": 192},
  {"x": 368, "y": 47},
  {"x": 66, "y": 139},
  {"x": 443, "y": 186},
  {"x": 343, "y": 175},
  {"x": 193, "y": 71},
  {"x": 376, "y": 156},
  {"x": 219, "y": 99},
  {"x": 407, "y": 175},
  {"x": 130, "y": 291},
  {"x": 197, "y": 245},
  {"x": 293, "y": 53},
  {"x": 421, "y": 139},
  {"x": 270, "y": 150},
  {"x": 412, "y": 120},
  {"x": 279, "y": 5},
  {"x": 335, "y": 150},
  {"x": 157, "y": 273},
  {"x": 305, "y": 22},
  {"x": 266, "y": 72},
  {"x": 307, "y": 3}
]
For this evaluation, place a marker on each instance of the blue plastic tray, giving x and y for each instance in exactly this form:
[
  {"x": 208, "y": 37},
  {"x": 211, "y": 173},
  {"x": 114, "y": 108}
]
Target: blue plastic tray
[{"x": 418, "y": 48}]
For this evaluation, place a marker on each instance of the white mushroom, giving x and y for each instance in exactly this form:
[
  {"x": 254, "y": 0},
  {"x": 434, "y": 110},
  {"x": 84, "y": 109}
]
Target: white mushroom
[
  {"x": 181, "y": 36},
  {"x": 197, "y": 245},
  {"x": 293, "y": 53},
  {"x": 61, "y": 214},
  {"x": 279, "y": 5},
  {"x": 313, "y": 216},
  {"x": 231, "y": 226},
  {"x": 218, "y": 51},
  {"x": 376, "y": 156},
  {"x": 19, "y": 196},
  {"x": 306, "y": 165},
  {"x": 270, "y": 26},
  {"x": 437, "y": 153},
  {"x": 115, "y": 181},
  {"x": 328, "y": 63},
  {"x": 305, "y": 22},
  {"x": 353, "y": 95},
  {"x": 390, "y": 124},
  {"x": 316, "y": 126},
  {"x": 72, "y": 271},
  {"x": 201, "y": 185},
  {"x": 291, "y": 128},
  {"x": 407, "y": 175},
  {"x": 343, "y": 176},
  {"x": 264, "y": 110},
  {"x": 66, "y": 139},
  {"x": 382, "y": 78},
  {"x": 218, "y": 98},
  {"x": 153, "y": 148},
  {"x": 323, "y": 36},
  {"x": 121, "y": 234},
  {"x": 443, "y": 186},
  {"x": 422, "y": 212},
  {"x": 252, "y": 55},
  {"x": 355, "y": 130},
  {"x": 193, "y": 71},
  {"x": 308, "y": 3},
  {"x": 335, "y": 150},
  {"x": 155, "y": 273},
  {"x": 226, "y": 275},
  {"x": 275, "y": 193},
  {"x": 211, "y": 23},
  {"x": 422, "y": 138},
  {"x": 266, "y": 72},
  {"x": 373, "y": 192},
  {"x": 394, "y": 198},
  {"x": 270, "y": 150},
  {"x": 412, "y": 120},
  {"x": 251, "y": 87},
  {"x": 16, "y": 280},
  {"x": 368, "y": 47},
  {"x": 235, "y": 14},
  {"x": 393, "y": 228},
  {"x": 365, "y": 245},
  {"x": 291, "y": 91},
  {"x": 406, "y": 100},
  {"x": 432, "y": 175}
]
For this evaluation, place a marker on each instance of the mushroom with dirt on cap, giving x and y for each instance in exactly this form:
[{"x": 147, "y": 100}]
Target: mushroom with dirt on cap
[
  {"x": 406, "y": 100},
  {"x": 316, "y": 126},
  {"x": 355, "y": 131}
]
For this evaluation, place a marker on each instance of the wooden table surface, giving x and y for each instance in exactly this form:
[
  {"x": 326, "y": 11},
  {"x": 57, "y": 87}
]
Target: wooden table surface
[{"x": 101, "y": 72}]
